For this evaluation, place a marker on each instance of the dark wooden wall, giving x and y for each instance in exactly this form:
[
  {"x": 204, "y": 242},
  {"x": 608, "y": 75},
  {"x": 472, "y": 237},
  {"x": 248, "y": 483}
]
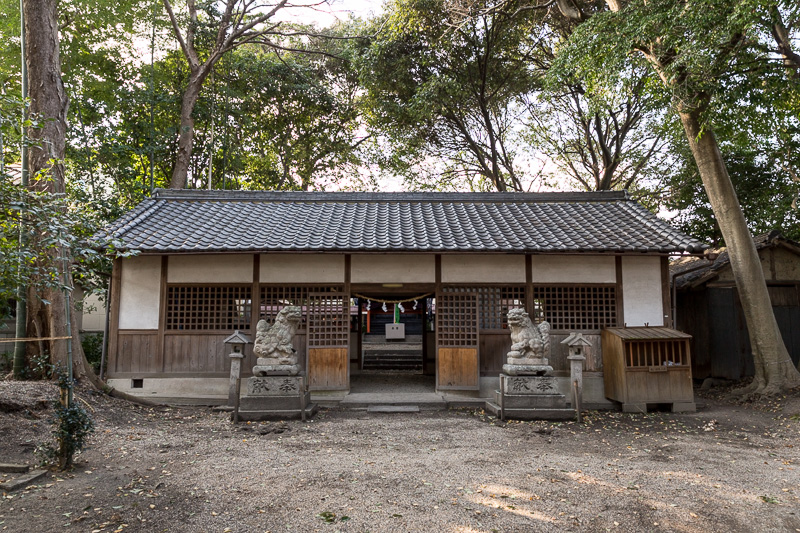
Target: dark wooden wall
[{"x": 721, "y": 342}]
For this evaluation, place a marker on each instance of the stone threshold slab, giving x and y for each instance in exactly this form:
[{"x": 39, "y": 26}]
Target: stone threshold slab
[
  {"x": 256, "y": 416},
  {"x": 393, "y": 409}
]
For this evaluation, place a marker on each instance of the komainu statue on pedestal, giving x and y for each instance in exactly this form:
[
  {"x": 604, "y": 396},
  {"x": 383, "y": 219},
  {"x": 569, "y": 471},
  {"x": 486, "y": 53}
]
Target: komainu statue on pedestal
[
  {"x": 273, "y": 345},
  {"x": 530, "y": 346}
]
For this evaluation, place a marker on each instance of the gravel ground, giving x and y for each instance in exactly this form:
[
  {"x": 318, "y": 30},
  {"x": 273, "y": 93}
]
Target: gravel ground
[{"x": 725, "y": 468}]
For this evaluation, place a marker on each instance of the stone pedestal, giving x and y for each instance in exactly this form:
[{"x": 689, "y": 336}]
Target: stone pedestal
[
  {"x": 274, "y": 369},
  {"x": 529, "y": 398},
  {"x": 528, "y": 369},
  {"x": 275, "y": 397}
]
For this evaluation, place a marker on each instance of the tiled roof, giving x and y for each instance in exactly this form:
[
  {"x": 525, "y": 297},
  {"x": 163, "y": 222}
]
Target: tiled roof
[
  {"x": 239, "y": 221},
  {"x": 694, "y": 271}
]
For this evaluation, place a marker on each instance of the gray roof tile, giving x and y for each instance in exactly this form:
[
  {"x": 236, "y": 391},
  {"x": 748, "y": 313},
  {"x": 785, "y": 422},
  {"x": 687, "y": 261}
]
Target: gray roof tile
[{"x": 219, "y": 221}]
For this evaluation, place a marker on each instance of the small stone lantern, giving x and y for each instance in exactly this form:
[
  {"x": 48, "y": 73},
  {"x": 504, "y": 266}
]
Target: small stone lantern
[
  {"x": 237, "y": 342},
  {"x": 578, "y": 347}
]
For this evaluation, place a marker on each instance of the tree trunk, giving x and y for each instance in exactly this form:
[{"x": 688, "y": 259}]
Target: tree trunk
[
  {"x": 47, "y": 313},
  {"x": 773, "y": 366},
  {"x": 48, "y": 100},
  {"x": 186, "y": 133}
]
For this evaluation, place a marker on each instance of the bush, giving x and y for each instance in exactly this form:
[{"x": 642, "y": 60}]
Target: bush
[
  {"x": 6, "y": 361},
  {"x": 71, "y": 427},
  {"x": 93, "y": 348}
]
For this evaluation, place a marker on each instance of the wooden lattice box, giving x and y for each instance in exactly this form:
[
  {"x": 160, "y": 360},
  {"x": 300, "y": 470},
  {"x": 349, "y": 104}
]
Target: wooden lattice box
[{"x": 647, "y": 365}]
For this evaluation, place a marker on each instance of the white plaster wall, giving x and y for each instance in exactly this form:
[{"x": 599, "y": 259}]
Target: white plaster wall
[
  {"x": 302, "y": 268},
  {"x": 393, "y": 268},
  {"x": 483, "y": 269},
  {"x": 236, "y": 268},
  {"x": 573, "y": 269},
  {"x": 211, "y": 390},
  {"x": 641, "y": 291},
  {"x": 140, "y": 290},
  {"x": 94, "y": 313}
]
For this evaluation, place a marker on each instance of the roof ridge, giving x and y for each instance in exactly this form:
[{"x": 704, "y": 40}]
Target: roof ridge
[{"x": 401, "y": 196}]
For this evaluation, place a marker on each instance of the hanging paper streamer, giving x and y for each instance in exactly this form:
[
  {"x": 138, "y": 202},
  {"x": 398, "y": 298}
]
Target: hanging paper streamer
[
  {"x": 402, "y": 309},
  {"x": 369, "y": 305},
  {"x": 415, "y": 305},
  {"x": 384, "y": 307}
]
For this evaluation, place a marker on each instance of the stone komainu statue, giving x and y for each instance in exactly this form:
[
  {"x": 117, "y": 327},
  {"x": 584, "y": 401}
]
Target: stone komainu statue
[
  {"x": 274, "y": 343},
  {"x": 528, "y": 342}
]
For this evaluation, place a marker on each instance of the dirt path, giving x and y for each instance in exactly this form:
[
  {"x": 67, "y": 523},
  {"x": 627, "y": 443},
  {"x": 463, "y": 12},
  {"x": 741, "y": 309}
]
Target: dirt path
[{"x": 725, "y": 468}]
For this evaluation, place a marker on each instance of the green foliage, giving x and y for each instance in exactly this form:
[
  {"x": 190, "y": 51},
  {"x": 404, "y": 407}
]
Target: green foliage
[
  {"x": 54, "y": 228},
  {"x": 718, "y": 58},
  {"x": 447, "y": 86},
  {"x": 71, "y": 427},
  {"x": 765, "y": 193},
  {"x": 92, "y": 344},
  {"x": 286, "y": 123},
  {"x": 6, "y": 361},
  {"x": 40, "y": 367}
]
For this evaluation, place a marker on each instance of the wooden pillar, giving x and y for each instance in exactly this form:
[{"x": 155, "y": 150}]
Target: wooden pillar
[
  {"x": 347, "y": 277},
  {"x": 113, "y": 303},
  {"x": 666, "y": 299},
  {"x": 255, "y": 305},
  {"x": 437, "y": 294},
  {"x": 529, "y": 303},
  {"x": 620, "y": 306},
  {"x": 162, "y": 313}
]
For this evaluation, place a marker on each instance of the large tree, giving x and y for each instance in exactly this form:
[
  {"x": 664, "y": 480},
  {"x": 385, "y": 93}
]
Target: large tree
[
  {"x": 450, "y": 87},
  {"x": 700, "y": 51},
  {"x": 601, "y": 142},
  {"x": 49, "y": 311},
  {"x": 206, "y": 31}
]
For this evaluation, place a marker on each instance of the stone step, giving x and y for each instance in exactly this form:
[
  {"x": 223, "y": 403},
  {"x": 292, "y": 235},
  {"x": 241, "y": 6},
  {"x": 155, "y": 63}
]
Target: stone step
[
  {"x": 393, "y": 409},
  {"x": 418, "y": 400},
  {"x": 530, "y": 414},
  {"x": 393, "y": 367},
  {"x": 381, "y": 338},
  {"x": 22, "y": 481},
  {"x": 393, "y": 357},
  {"x": 9, "y": 468},
  {"x": 381, "y": 348}
]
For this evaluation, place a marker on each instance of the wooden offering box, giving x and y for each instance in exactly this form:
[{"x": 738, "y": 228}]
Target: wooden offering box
[{"x": 647, "y": 365}]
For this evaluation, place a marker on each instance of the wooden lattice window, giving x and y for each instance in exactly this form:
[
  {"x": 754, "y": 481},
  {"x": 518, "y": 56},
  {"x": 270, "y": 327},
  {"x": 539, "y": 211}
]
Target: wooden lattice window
[
  {"x": 224, "y": 307},
  {"x": 661, "y": 354},
  {"x": 494, "y": 303},
  {"x": 276, "y": 297},
  {"x": 576, "y": 307},
  {"x": 457, "y": 317},
  {"x": 328, "y": 320}
]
